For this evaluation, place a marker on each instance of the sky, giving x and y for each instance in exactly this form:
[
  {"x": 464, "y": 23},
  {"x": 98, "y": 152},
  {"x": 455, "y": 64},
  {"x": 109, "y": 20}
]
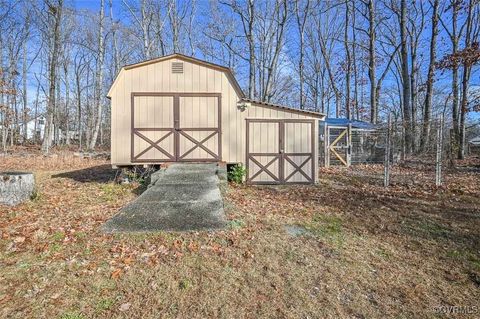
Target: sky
[{"x": 442, "y": 79}]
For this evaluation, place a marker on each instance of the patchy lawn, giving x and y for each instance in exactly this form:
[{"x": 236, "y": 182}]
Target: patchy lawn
[{"x": 343, "y": 248}]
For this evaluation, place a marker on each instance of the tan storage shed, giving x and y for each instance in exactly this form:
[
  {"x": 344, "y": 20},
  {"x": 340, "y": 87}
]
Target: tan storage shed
[{"x": 181, "y": 109}]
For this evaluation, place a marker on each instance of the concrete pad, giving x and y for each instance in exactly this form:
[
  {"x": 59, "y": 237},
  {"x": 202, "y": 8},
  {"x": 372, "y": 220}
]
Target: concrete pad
[
  {"x": 176, "y": 216},
  {"x": 186, "y": 192},
  {"x": 184, "y": 197}
]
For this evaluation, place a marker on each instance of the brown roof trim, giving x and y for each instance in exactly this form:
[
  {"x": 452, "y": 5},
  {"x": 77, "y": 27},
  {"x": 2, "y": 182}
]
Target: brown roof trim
[
  {"x": 286, "y": 108},
  {"x": 178, "y": 56},
  {"x": 218, "y": 67}
]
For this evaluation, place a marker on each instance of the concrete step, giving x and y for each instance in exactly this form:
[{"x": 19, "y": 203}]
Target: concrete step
[
  {"x": 181, "y": 192},
  {"x": 176, "y": 216},
  {"x": 192, "y": 177},
  {"x": 180, "y": 168}
]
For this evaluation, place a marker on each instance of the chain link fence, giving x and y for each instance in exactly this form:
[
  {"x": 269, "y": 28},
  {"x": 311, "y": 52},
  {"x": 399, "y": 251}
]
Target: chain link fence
[{"x": 380, "y": 151}]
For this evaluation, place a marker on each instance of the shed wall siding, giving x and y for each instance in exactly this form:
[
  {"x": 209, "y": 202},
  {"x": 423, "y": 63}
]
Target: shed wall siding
[{"x": 157, "y": 77}]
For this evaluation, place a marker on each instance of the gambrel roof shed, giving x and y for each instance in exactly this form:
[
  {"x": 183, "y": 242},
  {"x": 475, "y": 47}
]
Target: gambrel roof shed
[{"x": 178, "y": 108}]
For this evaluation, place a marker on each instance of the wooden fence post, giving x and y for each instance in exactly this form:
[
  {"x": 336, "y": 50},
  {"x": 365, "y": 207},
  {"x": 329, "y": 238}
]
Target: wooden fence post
[
  {"x": 327, "y": 146},
  {"x": 349, "y": 145}
]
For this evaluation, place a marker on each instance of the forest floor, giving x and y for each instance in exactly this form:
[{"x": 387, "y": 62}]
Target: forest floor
[{"x": 345, "y": 248}]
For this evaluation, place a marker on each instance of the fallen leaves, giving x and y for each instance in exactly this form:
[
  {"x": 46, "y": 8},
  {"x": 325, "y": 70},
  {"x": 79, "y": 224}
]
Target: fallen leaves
[
  {"x": 193, "y": 246},
  {"x": 125, "y": 306},
  {"x": 116, "y": 273},
  {"x": 55, "y": 241},
  {"x": 19, "y": 240}
]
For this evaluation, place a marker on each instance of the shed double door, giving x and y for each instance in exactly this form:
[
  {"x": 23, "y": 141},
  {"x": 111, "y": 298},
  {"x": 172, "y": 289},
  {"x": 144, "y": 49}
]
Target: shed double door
[
  {"x": 280, "y": 151},
  {"x": 176, "y": 127}
]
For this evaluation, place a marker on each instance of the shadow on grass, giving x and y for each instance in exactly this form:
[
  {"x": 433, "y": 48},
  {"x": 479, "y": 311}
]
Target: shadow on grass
[{"x": 97, "y": 174}]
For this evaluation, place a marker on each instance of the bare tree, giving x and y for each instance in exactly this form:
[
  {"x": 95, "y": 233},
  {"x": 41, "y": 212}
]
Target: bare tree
[
  {"x": 114, "y": 28},
  {"x": 470, "y": 55},
  {"x": 415, "y": 27},
  {"x": 54, "y": 21},
  {"x": 427, "y": 111},
  {"x": 99, "y": 78},
  {"x": 143, "y": 17},
  {"x": 354, "y": 58},
  {"x": 348, "y": 61},
  {"x": 24, "y": 76},
  {"x": 301, "y": 15},
  {"x": 372, "y": 61},
  {"x": 405, "y": 78},
  {"x": 326, "y": 38},
  {"x": 454, "y": 36},
  {"x": 80, "y": 67},
  {"x": 247, "y": 19},
  {"x": 275, "y": 37}
]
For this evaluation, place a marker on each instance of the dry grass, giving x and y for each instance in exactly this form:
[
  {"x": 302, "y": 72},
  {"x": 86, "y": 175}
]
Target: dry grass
[{"x": 367, "y": 252}]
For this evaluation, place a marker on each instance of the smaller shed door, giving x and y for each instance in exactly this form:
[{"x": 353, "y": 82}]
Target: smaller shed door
[
  {"x": 263, "y": 161},
  {"x": 280, "y": 151},
  {"x": 298, "y": 156}
]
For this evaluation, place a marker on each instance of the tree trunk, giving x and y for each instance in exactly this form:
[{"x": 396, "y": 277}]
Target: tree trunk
[
  {"x": 99, "y": 79},
  {"x": 251, "y": 49},
  {"x": 67, "y": 105},
  {"x": 405, "y": 78},
  {"x": 145, "y": 31},
  {"x": 427, "y": 111},
  {"x": 331, "y": 76},
  {"x": 349, "y": 61},
  {"x": 413, "y": 90},
  {"x": 354, "y": 56},
  {"x": 371, "y": 61},
  {"x": 175, "y": 25},
  {"x": 24, "y": 95},
  {"x": 116, "y": 55},
  {"x": 56, "y": 114},
  {"x": 79, "y": 110},
  {"x": 35, "y": 114},
  {"x": 56, "y": 11},
  {"x": 301, "y": 20},
  {"x": 455, "y": 97},
  {"x": 2, "y": 101},
  {"x": 465, "y": 85},
  {"x": 272, "y": 66}
]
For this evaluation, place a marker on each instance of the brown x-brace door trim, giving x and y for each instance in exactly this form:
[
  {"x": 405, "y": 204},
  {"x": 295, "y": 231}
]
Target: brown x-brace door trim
[
  {"x": 177, "y": 131},
  {"x": 154, "y": 144},
  {"x": 281, "y": 155},
  {"x": 263, "y": 168},
  {"x": 287, "y": 157}
]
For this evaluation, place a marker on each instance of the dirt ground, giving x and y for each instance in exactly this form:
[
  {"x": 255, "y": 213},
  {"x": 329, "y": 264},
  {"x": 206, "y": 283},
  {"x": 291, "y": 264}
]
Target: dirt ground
[{"x": 345, "y": 248}]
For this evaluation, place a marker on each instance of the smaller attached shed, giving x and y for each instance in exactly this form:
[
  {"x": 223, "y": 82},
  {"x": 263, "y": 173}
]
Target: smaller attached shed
[{"x": 180, "y": 109}]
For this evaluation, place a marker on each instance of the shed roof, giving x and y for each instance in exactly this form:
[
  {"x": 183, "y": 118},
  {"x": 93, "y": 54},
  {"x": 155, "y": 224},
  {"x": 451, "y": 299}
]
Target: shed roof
[
  {"x": 333, "y": 121},
  {"x": 222, "y": 68},
  {"x": 283, "y": 107},
  {"x": 179, "y": 56}
]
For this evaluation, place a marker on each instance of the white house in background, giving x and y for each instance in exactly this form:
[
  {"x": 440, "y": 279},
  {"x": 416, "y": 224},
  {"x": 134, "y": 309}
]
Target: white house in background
[{"x": 35, "y": 128}]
